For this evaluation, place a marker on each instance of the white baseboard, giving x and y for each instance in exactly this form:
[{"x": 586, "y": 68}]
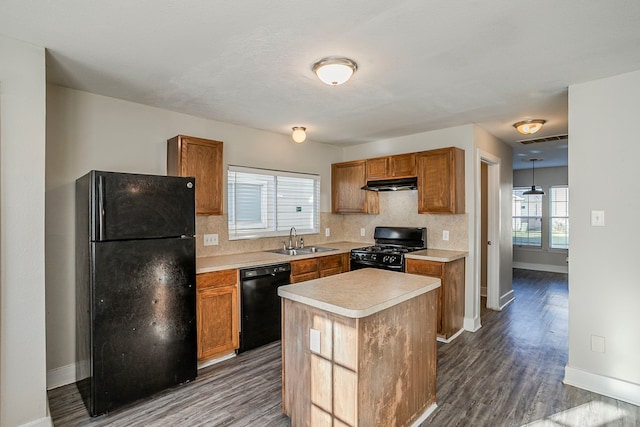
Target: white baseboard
[
  {"x": 424, "y": 415},
  {"x": 42, "y": 422},
  {"x": 63, "y": 375},
  {"x": 506, "y": 299},
  {"x": 541, "y": 267},
  {"x": 216, "y": 360},
  {"x": 607, "y": 386},
  {"x": 472, "y": 324},
  {"x": 453, "y": 337}
]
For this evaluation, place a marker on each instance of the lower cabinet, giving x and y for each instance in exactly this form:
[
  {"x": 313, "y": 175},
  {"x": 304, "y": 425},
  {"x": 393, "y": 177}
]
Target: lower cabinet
[
  {"x": 313, "y": 268},
  {"x": 450, "y": 317},
  {"x": 217, "y": 313}
]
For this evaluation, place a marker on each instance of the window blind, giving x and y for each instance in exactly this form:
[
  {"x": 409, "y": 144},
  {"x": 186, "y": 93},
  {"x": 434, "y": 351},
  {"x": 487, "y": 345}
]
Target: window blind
[{"x": 265, "y": 203}]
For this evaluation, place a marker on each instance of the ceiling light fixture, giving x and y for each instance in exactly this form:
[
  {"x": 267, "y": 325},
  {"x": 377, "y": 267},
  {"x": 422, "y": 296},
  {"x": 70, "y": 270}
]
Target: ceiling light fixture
[
  {"x": 533, "y": 191},
  {"x": 528, "y": 127},
  {"x": 299, "y": 134},
  {"x": 334, "y": 71}
]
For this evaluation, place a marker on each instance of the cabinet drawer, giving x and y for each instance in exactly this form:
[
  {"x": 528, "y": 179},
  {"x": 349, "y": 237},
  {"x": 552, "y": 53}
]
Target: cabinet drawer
[
  {"x": 330, "y": 271},
  {"x": 426, "y": 268},
  {"x": 333, "y": 261},
  {"x": 304, "y": 266},
  {"x": 216, "y": 279},
  {"x": 304, "y": 277}
]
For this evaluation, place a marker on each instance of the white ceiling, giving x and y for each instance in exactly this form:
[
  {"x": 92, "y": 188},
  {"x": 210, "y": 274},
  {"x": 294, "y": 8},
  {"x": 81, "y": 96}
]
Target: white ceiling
[{"x": 423, "y": 64}]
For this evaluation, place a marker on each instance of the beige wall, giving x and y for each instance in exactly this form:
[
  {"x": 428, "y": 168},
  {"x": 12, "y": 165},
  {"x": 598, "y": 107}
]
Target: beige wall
[
  {"x": 86, "y": 131},
  {"x": 23, "y": 396},
  {"x": 544, "y": 259},
  {"x": 604, "y": 288}
]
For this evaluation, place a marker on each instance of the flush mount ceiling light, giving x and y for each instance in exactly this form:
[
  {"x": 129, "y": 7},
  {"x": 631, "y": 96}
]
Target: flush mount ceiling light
[
  {"x": 299, "y": 134},
  {"x": 528, "y": 127},
  {"x": 334, "y": 71},
  {"x": 533, "y": 191}
]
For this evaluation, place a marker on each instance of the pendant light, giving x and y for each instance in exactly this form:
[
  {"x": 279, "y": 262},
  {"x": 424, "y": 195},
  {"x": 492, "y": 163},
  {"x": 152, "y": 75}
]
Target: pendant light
[{"x": 533, "y": 191}]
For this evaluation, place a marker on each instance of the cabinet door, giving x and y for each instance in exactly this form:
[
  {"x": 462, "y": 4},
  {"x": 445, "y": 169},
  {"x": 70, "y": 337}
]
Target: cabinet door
[
  {"x": 347, "y": 196},
  {"x": 217, "y": 313},
  {"x": 202, "y": 159},
  {"x": 403, "y": 165},
  {"x": 303, "y": 270},
  {"x": 378, "y": 168},
  {"x": 441, "y": 181},
  {"x": 432, "y": 269}
]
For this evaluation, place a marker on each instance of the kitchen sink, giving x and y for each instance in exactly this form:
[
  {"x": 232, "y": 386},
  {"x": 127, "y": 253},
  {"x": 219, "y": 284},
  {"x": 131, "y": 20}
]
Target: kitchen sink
[
  {"x": 301, "y": 251},
  {"x": 313, "y": 249}
]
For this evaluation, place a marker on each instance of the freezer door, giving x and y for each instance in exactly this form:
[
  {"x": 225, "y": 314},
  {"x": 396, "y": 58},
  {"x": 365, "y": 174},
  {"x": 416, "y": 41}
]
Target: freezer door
[
  {"x": 133, "y": 206},
  {"x": 143, "y": 333}
]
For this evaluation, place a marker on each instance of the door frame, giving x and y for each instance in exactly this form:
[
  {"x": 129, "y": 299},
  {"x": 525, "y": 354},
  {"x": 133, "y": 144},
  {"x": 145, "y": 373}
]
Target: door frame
[{"x": 493, "y": 229}]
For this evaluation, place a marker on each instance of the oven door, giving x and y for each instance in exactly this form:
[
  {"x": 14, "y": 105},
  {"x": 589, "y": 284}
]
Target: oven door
[{"x": 358, "y": 264}]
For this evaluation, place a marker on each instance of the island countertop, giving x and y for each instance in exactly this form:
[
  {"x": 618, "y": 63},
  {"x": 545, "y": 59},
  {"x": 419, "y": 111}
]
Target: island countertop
[{"x": 359, "y": 293}]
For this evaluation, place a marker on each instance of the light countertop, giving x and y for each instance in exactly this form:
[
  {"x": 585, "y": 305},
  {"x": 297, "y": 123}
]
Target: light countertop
[
  {"x": 359, "y": 293},
  {"x": 252, "y": 259},
  {"x": 439, "y": 255}
]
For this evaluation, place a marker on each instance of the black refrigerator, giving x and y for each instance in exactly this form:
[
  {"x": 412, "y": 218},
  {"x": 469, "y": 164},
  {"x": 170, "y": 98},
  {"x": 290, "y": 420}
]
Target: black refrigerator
[{"x": 135, "y": 286}]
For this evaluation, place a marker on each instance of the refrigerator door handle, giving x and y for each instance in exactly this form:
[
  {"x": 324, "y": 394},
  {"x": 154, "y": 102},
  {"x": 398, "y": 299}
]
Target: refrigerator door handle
[{"x": 100, "y": 207}]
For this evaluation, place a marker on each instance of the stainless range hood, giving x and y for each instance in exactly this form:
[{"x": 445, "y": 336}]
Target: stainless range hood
[{"x": 392, "y": 184}]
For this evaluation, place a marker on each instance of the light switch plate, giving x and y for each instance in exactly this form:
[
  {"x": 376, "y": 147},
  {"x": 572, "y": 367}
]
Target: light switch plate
[
  {"x": 327, "y": 232},
  {"x": 597, "y": 218},
  {"x": 445, "y": 234},
  {"x": 362, "y": 232}
]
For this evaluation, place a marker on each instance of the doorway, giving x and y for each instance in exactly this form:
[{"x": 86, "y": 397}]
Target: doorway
[{"x": 487, "y": 232}]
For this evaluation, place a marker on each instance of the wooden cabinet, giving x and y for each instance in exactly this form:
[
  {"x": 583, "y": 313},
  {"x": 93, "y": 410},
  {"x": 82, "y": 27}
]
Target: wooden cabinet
[
  {"x": 313, "y": 268},
  {"x": 399, "y": 166},
  {"x": 304, "y": 269},
  {"x": 202, "y": 159},
  {"x": 450, "y": 317},
  {"x": 347, "y": 196},
  {"x": 217, "y": 307},
  {"x": 441, "y": 181}
]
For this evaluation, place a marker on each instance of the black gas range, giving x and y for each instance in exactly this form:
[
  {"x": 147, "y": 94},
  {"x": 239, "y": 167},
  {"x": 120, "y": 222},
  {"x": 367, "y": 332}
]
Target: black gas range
[{"x": 391, "y": 243}]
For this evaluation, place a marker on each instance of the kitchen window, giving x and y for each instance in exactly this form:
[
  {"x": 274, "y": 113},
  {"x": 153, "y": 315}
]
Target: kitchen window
[
  {"x": 267, "y": 203},
  {"x": 559, "y": 218},
  {"x": 527, "y": 219}
]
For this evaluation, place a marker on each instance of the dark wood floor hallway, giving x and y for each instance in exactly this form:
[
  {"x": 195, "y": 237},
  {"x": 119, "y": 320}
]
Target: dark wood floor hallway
[{"x": 509, "y": 373}]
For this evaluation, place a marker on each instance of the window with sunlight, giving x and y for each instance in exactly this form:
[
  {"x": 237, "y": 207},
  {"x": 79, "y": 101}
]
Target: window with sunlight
[
  {"x": 267, "y": 203},
  {"x": 559, "y": 218},
  {"x": 527, "y": 219}
]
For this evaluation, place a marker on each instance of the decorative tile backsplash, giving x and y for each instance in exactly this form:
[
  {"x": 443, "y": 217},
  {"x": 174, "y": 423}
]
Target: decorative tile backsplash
[{"x": 397, "y": 209}]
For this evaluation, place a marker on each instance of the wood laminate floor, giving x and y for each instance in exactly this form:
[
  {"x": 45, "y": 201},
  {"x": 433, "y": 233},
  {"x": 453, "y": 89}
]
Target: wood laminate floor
[{"x": 509, "y": 373}]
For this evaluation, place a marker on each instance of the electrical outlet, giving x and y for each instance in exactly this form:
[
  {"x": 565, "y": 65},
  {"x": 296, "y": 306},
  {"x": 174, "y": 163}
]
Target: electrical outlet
[
  {"x": 314, "y": 340},
  {"x": 362, "y": 232},
  {"x": 210, "y": 239},
  {"x": 327, "y": 232},
  {"x": 445, "y": 234}
]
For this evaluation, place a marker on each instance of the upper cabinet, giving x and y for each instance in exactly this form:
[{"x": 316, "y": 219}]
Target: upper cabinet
[
  {"x": 202, "y": 159},
  {"x": 347, "y": 179},
  {"x": 441, "y": 181},
  {"x": 399, "y": 166}
]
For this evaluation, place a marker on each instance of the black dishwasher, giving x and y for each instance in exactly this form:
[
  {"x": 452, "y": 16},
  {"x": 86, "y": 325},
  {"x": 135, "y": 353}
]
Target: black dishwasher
[{"x": 260, "y": 313}]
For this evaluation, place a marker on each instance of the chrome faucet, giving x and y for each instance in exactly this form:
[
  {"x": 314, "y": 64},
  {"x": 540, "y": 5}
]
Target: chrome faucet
[{"x": 293, "y": 232}]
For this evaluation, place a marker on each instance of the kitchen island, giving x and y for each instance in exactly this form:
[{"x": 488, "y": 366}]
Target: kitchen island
[{"x": 359, "y": 349}]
